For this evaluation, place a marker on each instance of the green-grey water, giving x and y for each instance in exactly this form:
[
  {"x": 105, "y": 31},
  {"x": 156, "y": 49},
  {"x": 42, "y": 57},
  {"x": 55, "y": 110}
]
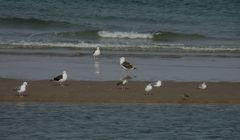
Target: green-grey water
[
  {"x": 118, "y": 121},
  {"x": 176, "y": 25}
]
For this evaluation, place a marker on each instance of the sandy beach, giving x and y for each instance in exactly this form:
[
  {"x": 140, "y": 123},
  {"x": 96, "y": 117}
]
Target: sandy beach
[
  {"x": 82, "y": 43},
  {"x": 107, "y": 92}
]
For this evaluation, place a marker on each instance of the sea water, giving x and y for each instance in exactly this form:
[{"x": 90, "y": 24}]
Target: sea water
[
  {"x": 181, "y": 40},
  {"x": 166, "y": 25},
  {"x": 106, "y": 68},
  {"x": 118, "y": 121}
]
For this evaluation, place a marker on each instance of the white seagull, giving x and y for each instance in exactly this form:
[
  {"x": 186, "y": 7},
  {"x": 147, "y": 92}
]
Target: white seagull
[
  {"x": 122, "y": 83},
  {"x": 21, "y": 89},
  {"x": 202, "y": 85},
  {"x": 61, "y": 78},
  {"x": 148, "y": 88},
  {"x": 158, "y": 84},
  {"x": 126, "y": 65},
  {"x": 97, "y": 52}
]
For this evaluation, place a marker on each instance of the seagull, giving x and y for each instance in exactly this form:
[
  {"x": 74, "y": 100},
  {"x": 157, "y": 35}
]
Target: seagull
[
  {"x": 61, "y": 78},
  {"x": 97, "y": 52},
  {"x": 158, "y": 84},
  {"x": 202, "y": 86},
  {"x": 21, "y": 89},
  {"x": 123, "y": 81},
  {"x": 148, "y": 88},
  {"x": 126, "y": 65},
  {"x": 185, "y": 96}
]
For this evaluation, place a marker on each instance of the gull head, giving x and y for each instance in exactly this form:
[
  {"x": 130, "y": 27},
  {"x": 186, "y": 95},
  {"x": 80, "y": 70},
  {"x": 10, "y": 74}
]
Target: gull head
[
  {"x": 64, "y": 72},
  {"x": 203, "y": 86},
  {"x": 122, "y": 59},
  {"x": 158, "y": 83},
  {"x": 148, "y": 87},
  {"x": 25, "y": 83}
]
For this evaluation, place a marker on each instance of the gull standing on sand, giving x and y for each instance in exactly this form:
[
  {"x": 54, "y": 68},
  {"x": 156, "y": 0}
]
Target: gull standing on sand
[
  {"x": 148, "y": 88},
  {"x": 122, "y": 83},
  {"x": 97, "y": 52},
  {"x": 158, "y": 84},
  {"x": 61, "y": 78},
  {"x": 185, "y": 96},
  {"x": 126, "y": 65},
  {"x": 21, "y": 89},
  {"x": 202, "y": 85}
]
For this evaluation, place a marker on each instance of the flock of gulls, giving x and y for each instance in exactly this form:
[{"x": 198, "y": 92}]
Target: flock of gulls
[{"x": 124, "y": 64}]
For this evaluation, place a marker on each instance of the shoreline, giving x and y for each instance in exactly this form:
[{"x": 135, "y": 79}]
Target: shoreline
[
  {"x": 171, "y": 92},
  {"x": 107, "y": 68}
]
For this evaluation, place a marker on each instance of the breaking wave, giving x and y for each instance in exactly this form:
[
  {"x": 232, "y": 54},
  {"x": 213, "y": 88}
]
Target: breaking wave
[
  {"x": 129, "y": 35},
  {"x": 158, "y": 36},
  {"x": 149, "y": 47}
]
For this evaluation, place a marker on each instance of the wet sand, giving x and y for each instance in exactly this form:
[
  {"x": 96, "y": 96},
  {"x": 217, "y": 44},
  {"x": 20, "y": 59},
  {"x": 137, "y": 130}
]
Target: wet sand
[
  {"x": 107, "y": 92},
  {"x": 42, "y": 66}
]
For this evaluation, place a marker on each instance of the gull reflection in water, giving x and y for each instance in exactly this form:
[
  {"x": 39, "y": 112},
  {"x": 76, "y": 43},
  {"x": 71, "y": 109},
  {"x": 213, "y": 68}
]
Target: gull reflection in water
[{"x": 97, "y": 67}]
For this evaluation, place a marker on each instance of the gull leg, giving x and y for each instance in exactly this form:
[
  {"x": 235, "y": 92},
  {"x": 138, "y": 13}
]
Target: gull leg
[{"x": 122, "y": 87}]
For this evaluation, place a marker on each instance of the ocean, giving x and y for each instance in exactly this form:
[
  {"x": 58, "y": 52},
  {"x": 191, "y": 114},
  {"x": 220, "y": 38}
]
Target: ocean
[
  {"x": 178, "y": 40},
  {"x": 118, "y": 121},
  {"x": 138, "y": 25}
]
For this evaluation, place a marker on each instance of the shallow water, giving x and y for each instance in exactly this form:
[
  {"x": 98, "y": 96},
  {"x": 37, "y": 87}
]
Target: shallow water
[
  {"x": 118, "y": 121},
  {"x": 105, "y": 68}
]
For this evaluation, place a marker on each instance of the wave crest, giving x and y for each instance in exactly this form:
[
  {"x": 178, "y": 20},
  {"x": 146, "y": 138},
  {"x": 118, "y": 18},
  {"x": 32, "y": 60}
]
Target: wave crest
[
  {"x": 128, "y": 35},
  {"x": 158, "y": 36}
]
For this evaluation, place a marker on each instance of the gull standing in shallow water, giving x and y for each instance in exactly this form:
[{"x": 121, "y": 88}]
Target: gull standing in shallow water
[
  {"x": 126, "y": 65},
  {"x": 21, "y": 89},
  {"x": 148, "y": 88},
  {"x": 202, "y": 85},
  {"x": 97, "y": 52},
  {"x": 61, "y": 78}
]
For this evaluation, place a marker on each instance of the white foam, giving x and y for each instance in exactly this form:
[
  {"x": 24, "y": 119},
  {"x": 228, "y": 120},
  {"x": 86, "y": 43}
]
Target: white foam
[
  {"x": 182, "y": 47},
  {"x": 58, "y": 44},
  {"x": 129, "y": 35}
]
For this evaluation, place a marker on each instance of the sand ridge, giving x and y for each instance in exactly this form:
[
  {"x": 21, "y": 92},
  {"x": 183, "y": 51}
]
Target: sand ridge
[{"x": 108, "y": 92}]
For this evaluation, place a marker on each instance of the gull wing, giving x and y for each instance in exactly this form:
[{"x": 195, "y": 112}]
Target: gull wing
[
  {"x": 127, "y": 65},
  {"x": 57, "y": 78}
]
